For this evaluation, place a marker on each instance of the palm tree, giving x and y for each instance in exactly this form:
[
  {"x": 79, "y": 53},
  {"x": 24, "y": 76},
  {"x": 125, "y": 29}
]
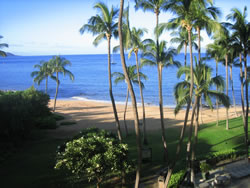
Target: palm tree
[
  {"x": 133, "y": 43},
  {"x": 185, "y": 19},
  {"x": 241, "y": 29},
  {"x": 119, "y": 77},
  {"x": 136, "y": 45},
  {"x": 2, "y": 45},
  {"x": 161, "y": 57},
  {"x": 58, "y": 65},
  {"x": 181, "y": 37},
  {"x": 203, "y": 82},
  {"x": 205, "y": 19},
  {"x": 224, "y": 39},
  {"x": 104, "y": 26},
  {"x": 44, "y": 72},
  {"x": 214, "y": 51},
  {"x": 132, "y": 94}
]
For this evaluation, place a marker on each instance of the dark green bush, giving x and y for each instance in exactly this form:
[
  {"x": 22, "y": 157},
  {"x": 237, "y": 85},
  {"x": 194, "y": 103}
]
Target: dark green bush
[
  {"x": 20, "y": 110},
  {"x": 48, "y": 122}
]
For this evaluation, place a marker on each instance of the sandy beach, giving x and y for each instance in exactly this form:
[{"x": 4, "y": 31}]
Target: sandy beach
[{"x": 99, "y": 114}]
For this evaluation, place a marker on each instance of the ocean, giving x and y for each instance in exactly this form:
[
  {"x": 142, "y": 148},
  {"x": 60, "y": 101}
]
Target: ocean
[{"x": 91, "y": 78}]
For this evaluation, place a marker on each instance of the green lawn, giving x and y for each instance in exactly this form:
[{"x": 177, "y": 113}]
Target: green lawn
[{"x": 32, "y": 165}]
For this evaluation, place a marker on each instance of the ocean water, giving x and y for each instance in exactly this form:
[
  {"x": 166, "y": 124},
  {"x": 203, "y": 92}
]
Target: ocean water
[{"x": 91, "y": 78}]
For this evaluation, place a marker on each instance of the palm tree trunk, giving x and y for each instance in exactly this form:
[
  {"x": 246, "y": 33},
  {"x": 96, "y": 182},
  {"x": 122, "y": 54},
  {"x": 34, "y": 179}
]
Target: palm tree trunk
[
  {"x": 226, "y": 59},
  {"x": 57, "y": 86},
  {"x": 46, "y": 85},
  {"x": 200, "y": 104},
  {"x": 217, "y": 103},
  {"x": 196, "y": 105},
  {"x": 231, "y": 78},
  {"x": 111, "y": 93},
  {"x": 170, "y": 170},
  {"x": 185, "y": 56},
  {"x": 199, "y": 44},
  {"x": 242, "y": 92},
  {"x": 133, "y": 99},
  {"x": 145, "y": 140},
  {"x": 247, "y": 103},
  {"x": 125, "y": 110},
  {"x": 163, "y": 136}
]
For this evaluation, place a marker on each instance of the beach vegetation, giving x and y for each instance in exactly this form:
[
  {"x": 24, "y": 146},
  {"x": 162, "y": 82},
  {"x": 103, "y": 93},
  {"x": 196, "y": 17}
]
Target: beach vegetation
[
  {"x": 134, "y": 44},
  {"x": 58, "y": 65},
  {"x": 105, "y": 26},
  {"x": 161, "y": 57},
  {"x": 95, "y": 155},
  {"x": 241, "y": 36},
  {"x": 133, "y": 76},
  {"x": 44, "y": 72},
  {"x": 132, "y": 94},
  {"x": 203, "y": 83},
  {"x": 181, "y": 37},
  {"x": 3, "y": 45}
]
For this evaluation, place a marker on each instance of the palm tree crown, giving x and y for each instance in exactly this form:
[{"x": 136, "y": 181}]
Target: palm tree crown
[{"x": 103, "y": 24}]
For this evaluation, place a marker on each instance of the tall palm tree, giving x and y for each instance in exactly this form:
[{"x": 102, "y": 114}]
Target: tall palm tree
[
  {"x": 44, "y": 72},
  {"x": 203, "y": 82},
  {"x": 133, "y": 43},
  {"x": 58, "y": 65},
  {"x": 160, "y": 57},
  {"x": 214, "y": 51},
  {"x": 132, "y": 94},
  {"x": 206, "y": 16},
  {"x": 2, "y": 45},
  {"x": 136, "y": 45},
  {"x": 133, "y": 76},
  {"x": 224, "y": 39},
  {"x": 105, "y": 26},
  {"x": 181, "y": 37},
  {"x": 183, "y": 10},
  {"x": 241, "y": 28}
]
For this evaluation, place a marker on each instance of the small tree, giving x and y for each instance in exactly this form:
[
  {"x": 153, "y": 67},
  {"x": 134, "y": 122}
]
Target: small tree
[{"x": 95, "y": 154}]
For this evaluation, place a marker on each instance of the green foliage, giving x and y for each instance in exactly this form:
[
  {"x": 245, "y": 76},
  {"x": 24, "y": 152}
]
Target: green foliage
[
  {"x": 215, "y": 157},
  {"x": 68, "y": 123},
  {"x": 20, "y": 111},
  {"x": 176, "y": 178},
  {"x": 58, "y": 117},
  {"x": 94, "y": 154},
  {"x": 48, "y": 122},
  {"x": 205, "y": 167}
]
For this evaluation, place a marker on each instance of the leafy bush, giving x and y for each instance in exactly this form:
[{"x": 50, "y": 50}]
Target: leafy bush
[
  {"x": 58, "y": 117},
  {"x": 214, "y": 158},
  {"x": 20, "y": 110},
  {"x": 48, "y": 122},
  {"x": 205, "y": 167},
  {"x": 176, "y": 179},
  {"x": 67, "y": 123},
  {"x": 94, "y": 154}
]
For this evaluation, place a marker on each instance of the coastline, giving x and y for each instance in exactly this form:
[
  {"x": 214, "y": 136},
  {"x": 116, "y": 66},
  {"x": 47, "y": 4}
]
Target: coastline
[{"x": 88, "y": 114}]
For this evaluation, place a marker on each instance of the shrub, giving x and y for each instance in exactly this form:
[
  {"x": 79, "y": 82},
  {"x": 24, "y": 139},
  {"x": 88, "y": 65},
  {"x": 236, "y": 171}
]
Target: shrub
[
  {"x": 176, "y": 179},
  {"x": 94, "y": 154},
  {"x": 67, "y": 123},
  {"x": 20, "y": 110},
  {"x": 48, "y": 122}
]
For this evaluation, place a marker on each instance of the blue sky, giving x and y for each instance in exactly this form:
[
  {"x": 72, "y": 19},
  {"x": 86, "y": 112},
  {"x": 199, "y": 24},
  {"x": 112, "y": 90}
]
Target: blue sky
[{"x": 51, "y": 27}]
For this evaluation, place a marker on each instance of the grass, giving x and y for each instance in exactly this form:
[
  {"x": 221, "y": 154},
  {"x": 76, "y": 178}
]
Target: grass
[{"x": 32, "y": 164}]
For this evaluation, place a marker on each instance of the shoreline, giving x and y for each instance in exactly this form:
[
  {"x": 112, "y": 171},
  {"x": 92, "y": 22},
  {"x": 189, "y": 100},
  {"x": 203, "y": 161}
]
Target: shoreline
[{"x": 88, "y": 114}]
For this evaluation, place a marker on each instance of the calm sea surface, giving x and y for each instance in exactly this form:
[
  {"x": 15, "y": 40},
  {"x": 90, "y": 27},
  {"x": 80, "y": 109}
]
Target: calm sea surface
[{"x": 91, "y": 78}]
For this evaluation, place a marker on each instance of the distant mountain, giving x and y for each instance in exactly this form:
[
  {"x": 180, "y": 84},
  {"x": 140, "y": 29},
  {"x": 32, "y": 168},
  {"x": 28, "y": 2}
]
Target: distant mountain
[{"x": 10, "y": 54}]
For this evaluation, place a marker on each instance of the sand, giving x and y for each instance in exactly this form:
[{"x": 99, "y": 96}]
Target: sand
[{"x": 99, "y": 114}]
